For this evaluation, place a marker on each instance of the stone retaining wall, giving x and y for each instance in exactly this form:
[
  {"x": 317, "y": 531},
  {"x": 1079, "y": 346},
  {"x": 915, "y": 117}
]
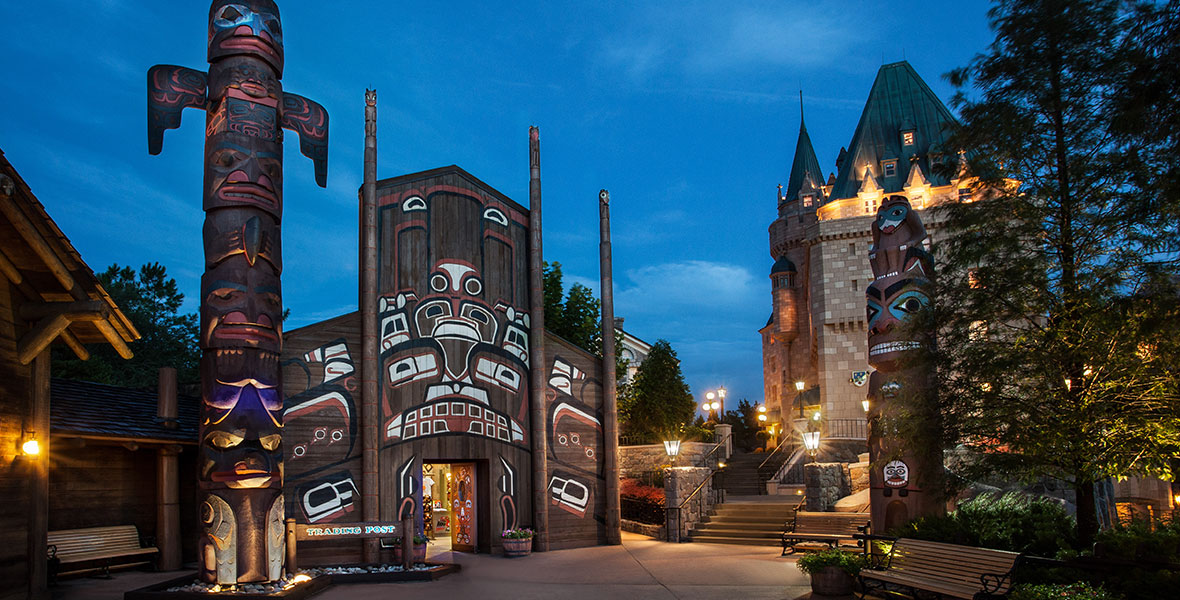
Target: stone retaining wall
[
  {"x": 634, "y": 460},
  {"x": 826, "y": 483},
  {"x": 678, "y": 484},
  {"x": 652, "y": 531}
]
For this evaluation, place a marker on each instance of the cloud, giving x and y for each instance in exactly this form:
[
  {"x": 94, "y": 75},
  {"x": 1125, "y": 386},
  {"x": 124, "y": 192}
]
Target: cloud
[
  {"x": 709, "y": 39},
  {"x": 693, "y": 284}
]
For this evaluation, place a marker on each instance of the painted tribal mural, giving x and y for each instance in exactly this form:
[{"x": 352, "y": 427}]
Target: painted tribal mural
[
  {"x": 240, "y": 463},
  {"x": 453, "y": 318},
  {"x": 904, "y": 483},
  {"x": 573, "y": 405}
]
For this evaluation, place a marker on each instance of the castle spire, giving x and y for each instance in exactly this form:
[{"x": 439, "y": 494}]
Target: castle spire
[{"x": 805, "y": 166}]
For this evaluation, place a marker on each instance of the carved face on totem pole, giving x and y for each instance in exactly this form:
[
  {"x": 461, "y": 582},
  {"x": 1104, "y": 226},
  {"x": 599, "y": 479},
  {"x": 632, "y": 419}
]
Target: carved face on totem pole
[
  {"x": 901, "y": 287},
  {"x": 243, "y": 421},
  {"x": 241, "y": 306},
  {"x": 456, "y": 335},
  {"x": 243, "y": 173},
  {"x": 249, "y": 27}
]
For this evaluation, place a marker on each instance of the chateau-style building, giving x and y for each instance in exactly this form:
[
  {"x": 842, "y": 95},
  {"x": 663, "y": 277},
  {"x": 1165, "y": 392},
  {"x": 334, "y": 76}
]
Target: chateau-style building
[{"x": 817, "y": 332}]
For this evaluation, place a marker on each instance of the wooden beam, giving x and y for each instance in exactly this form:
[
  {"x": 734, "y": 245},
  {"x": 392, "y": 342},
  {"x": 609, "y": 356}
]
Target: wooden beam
[
  {"x": 39, "y": 337},
  {"x": 9, "y": 270},
  {"x": 72, "y": 341},
  {"x": 86, "y": 310}
]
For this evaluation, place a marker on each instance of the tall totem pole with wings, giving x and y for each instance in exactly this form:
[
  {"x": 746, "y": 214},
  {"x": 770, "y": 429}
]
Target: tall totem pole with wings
[
  {"x": 906, "y": 477},
  {"x": 240, "y": 460}
]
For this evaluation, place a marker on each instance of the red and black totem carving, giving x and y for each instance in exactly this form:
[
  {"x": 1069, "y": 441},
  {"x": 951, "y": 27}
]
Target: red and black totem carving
[
  {"x": 240, "y": 466},
  {"x": 906, "y": 475}
]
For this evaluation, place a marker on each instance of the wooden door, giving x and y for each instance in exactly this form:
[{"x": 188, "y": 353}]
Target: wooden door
[{"x": 463, "y": 507}]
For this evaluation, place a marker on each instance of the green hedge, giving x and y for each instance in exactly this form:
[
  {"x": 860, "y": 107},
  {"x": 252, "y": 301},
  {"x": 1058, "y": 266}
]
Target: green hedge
[{"x": 1011, "y": 521}]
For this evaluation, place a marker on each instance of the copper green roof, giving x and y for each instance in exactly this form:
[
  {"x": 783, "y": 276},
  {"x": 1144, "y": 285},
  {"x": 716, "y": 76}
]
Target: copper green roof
[
  {"x": 898, "y": 101},
  {"x": 805, "y": 165},
  {"x": 783, "y": 265}
]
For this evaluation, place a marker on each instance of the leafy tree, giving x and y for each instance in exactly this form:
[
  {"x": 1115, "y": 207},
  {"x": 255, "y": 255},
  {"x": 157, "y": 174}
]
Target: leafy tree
[
  {"x": 745, "y": 424},
  {"x": 151, "y": 300},
  {"x": 1054, "y": 358},
  {"x": 552, "y": 290},
  {"x": 662, "y": 401},
  {"x": 576, "y": 318}
]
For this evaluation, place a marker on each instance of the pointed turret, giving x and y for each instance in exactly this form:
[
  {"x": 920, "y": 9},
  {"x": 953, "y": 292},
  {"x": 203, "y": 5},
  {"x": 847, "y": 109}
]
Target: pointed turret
[
  {"x": 901, "y": 122},
  {"x": 805, "y": 170}
]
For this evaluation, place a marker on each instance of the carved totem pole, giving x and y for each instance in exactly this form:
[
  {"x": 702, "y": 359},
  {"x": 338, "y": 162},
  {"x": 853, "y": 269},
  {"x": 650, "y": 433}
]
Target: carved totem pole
[
  {"x": 240, "y": 461},
  {"x": 909, "y": 484}
]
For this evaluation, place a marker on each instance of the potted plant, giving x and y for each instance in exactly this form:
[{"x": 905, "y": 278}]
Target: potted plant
[
  {"x": 419, "y": 549},
  {"x": 517, "y": 541},
  {"x": 831, "y": 571}
]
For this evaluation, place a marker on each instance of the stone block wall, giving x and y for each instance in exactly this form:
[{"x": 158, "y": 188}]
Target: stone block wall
[
  {"x": 825, "y": 484},
  {"x": 634, "y": 460},
  {"x": 679, "y": 483}
]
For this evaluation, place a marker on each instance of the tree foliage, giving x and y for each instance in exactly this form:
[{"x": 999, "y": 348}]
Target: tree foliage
[
  {"x": 661, "y": 401},
  {"x": 151, "y": 300},
  {"x": 1057, "y": 298},
  {"x": 576, "y": 317},
  {"x": 745, "y": 426}
]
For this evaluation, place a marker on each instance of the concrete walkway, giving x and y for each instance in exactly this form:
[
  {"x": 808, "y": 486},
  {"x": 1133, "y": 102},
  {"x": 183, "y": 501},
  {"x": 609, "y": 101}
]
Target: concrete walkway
[{"x": 641, "y": 568}]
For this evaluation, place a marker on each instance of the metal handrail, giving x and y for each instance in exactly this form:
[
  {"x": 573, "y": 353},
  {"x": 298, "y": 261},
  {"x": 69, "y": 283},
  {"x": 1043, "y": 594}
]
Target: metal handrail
[
  {"x": 700, "y": 504},
  {"x": 705, "y": 458},
  {"x": 786, "y": 438}
]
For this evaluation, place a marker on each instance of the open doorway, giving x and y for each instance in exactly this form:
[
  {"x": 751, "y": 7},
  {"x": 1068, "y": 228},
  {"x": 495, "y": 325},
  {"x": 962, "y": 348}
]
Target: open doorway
[{"x": 450, "y": 506}]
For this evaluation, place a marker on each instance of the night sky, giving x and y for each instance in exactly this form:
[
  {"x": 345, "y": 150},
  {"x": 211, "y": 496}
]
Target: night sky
[{"x": 687, "y": 112}]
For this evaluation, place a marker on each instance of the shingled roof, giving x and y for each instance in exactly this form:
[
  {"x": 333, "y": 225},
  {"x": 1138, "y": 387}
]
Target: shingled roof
[
  {"x": 95, "y": 410},
  {"x": 898, "y": 101}
]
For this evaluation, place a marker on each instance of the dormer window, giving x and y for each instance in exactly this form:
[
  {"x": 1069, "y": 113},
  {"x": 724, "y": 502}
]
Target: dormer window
[
  {"x": 907, "y": 138},
  {"x": 889, "y": 168},
  {"x": 807, "y": 201}
]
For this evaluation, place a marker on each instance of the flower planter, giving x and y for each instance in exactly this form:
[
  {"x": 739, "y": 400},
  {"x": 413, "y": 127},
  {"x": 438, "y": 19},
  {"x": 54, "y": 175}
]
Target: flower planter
[
  {"x": 419, "y": 554},
  {"x": 831, "y": 581},
  {"x": 517, "y": 547}
]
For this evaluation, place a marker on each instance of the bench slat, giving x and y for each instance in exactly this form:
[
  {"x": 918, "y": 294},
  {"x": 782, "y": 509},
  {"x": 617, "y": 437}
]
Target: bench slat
[
  {"x": 946, "y": 569},
  {"x": 97, "y": 543}
]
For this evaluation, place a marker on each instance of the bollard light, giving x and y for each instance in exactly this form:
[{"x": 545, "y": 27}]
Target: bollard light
[{"x": 865, "y": 404}]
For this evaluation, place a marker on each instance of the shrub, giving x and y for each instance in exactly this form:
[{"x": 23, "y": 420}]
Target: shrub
[
  {"x": 1139, "y": 539},
  {"x": 641, "y": 502},
  {"x": 814, "y": 562},
  {"x": 1054, "y": 591},
  {"x": 519, "y": 533},
  {"x": 1013, "y": 522}
]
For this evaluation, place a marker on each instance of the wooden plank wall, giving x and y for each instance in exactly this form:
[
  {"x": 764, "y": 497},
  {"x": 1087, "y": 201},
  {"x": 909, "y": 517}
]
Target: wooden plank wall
[
  {"x": 321, "y": 432},
  {"x": 577, "y": 511},
  {"x": 15, "y": 393},
  {"x": 453, "y": 308}
]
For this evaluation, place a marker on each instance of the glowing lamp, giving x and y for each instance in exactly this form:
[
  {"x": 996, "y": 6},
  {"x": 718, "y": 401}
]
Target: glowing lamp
[
  {"x": 811, "y": 441},
  {"x": 672, "y": 447},
  {"x": 709, "y": 395},
  {"x": 716, "y": 405},
  {"x": 300, "y": 578},
  {"x": 865, "y": 404},
  {"x": 721, "y": 393},
  {"x": 762, "y": 417},
  {"x": 798, "y": 386},
  {"x": 721, "y": 464},
  {"x": 762, "y": 409},
  {"x": 815, "y": 416},
  {"x": 705, "y": 407},
  {"x": 31, "y": 447}
]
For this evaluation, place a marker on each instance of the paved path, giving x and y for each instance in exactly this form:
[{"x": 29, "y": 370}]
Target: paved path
[{"x": 641, "y": 568}]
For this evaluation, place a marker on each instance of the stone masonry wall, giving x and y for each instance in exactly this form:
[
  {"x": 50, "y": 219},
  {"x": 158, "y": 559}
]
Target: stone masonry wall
[
  {"x": 634, "y": 460},
  {"x": 825, "y": 484},
  {"x": 678, "y": 484}
]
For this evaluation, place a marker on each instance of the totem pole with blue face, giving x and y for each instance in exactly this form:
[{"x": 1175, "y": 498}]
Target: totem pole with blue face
[
  {"x": 905, "y": 475},
  {"x": 240, "y": 461}
]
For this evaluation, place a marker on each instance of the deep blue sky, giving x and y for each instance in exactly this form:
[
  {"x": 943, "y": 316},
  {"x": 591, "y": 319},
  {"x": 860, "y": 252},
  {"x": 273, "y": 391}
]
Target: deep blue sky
[{"x": 687, "y": 112}]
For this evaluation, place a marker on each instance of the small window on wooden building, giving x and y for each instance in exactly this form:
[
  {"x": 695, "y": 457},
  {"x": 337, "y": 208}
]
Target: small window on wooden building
[{"x": 907, "y": 138}]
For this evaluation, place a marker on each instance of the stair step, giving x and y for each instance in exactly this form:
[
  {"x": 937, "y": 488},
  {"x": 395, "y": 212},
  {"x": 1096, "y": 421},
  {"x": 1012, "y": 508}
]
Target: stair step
[
  {"x": 713, "y": 539},
  {"x": 740, "y": 526},
  {"x": 739, "y": 533}
]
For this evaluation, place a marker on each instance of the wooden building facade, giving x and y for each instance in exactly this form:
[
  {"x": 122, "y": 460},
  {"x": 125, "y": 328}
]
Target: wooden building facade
[
  {"x": 47, "y": 293},
  {"x": 453, "y": 336}
]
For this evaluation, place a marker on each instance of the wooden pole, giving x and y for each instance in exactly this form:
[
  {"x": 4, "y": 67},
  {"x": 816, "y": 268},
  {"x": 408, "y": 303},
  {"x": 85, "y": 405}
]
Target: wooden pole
[
  {"x": 168, "y": 508},
  {"x": 610, "y": 407},
  {"x": 408, "y": 539},
  {"x": 368, "y": 305},
  {"x": 292, "y": 557},
  {"x": 540, "y": 441},
  {"x": 38, "y": 540}
]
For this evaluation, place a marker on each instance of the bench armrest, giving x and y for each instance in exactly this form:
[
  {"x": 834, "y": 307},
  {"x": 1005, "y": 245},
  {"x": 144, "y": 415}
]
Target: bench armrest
[
  {"x": 993, "y": 582},
  {"x": 51, "y": 551}
]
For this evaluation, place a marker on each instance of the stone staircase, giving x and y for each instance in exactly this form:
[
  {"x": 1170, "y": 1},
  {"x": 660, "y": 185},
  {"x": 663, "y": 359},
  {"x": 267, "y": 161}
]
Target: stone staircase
[
  {"x": 749, "y": 520},
  {"x": 740, "y": 476}
]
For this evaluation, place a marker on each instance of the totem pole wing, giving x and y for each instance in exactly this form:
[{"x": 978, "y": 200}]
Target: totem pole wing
[
  {"x": 171, "y": 89},
  {"x": 310, "y": 121}
]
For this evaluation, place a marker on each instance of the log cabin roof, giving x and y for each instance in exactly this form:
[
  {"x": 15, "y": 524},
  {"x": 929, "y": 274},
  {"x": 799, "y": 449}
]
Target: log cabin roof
[
  {"x": 99, "y": 411},
  {"x": 49, "y": 272}
]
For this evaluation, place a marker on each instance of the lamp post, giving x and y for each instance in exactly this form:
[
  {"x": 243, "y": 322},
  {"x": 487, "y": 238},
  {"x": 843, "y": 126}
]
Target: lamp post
[
  {"x": 714, "y": 405},
  {"x": 672, "y": 447},
  {"x": 799, "y": 392}
]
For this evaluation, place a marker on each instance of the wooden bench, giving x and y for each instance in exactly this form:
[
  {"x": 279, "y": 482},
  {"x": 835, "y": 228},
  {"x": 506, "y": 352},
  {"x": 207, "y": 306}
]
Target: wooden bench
[
  {"x": 820, "y": 530},
  {"x": 99, "y": 547},
  {"x": 945, "y": 570}
]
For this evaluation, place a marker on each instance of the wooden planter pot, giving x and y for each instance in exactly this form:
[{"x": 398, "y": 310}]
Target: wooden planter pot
[
  {"x": 831, "y": 581},
  {"x": 514, "y": 548},
  {"x": 419, "y": 554}
]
